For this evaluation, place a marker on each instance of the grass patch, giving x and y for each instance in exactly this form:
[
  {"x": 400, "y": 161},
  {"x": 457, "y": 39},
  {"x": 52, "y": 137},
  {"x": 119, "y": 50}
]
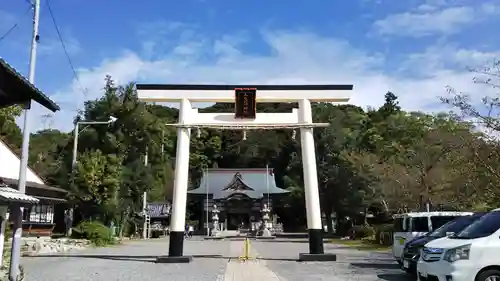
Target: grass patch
[{"x": 362, "y": 245}]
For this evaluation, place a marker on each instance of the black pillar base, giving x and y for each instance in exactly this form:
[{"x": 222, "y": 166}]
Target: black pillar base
[
  {"x": 176, "y": 244},
  {"x": 169, "y": 259},
  {"x": 175, "y": 250},
  {"x": 316, "y": 241},
  {"x": 317, "y": 257},
  {"x": 316, "y": 249}
]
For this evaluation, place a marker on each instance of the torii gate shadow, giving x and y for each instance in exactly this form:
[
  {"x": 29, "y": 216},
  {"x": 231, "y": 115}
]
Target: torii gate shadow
[{"x": 152, "y": 259}]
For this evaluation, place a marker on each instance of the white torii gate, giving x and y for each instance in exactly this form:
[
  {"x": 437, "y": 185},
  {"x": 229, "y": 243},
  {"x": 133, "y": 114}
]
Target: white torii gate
[{"x": 300, "y": 118}]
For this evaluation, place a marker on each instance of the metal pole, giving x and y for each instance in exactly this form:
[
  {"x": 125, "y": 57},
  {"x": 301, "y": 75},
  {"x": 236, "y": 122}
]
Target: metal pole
[
  {"x": 206, "y": 203},
  {"x": 267, "y": 184},
  {"x": 75, "y": 146},
  {"x": 17, "y": 210},
  {"x": 145, "y": 213},
  {"x": 73, "y": 169},
  {"x": 162, "y": 143}
]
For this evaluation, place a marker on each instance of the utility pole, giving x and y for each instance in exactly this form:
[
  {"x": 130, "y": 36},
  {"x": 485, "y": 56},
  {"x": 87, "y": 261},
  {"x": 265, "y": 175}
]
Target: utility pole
[{"x": 17, "y": 210}]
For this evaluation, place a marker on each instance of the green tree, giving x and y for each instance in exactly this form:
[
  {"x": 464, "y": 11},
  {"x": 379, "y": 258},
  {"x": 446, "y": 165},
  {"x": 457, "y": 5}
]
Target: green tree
[
  {"x": 9, "y": 131},
  {"x": 136, "y": 179},
  {"x": 97, "y": 184},
  {"x": 48, "y": 151}
]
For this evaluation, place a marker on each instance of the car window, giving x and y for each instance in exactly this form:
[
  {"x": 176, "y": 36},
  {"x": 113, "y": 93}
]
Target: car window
[
  {"x": 420, "y": 224},
  {"x": 438, "y": 221},
  {"x": 398, "y": 225},
  {"x": 485, "y": 226},
  {"x": 454, "y": 226}
]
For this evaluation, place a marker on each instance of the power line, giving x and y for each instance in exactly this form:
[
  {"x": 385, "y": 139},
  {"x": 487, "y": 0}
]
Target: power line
[
  {"x": 75, "y": 74},
  {"x": 14, "y": 26}
]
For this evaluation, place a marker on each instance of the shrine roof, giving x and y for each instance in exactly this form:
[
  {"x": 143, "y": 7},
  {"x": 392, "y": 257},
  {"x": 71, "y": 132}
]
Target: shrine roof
[{"x": 221, "y": 183}]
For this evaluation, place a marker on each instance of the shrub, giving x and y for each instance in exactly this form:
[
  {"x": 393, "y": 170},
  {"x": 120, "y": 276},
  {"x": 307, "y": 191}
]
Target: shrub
[
  {"x": 96, "y": 232},
  {"x": 361, "y": 231},
  {"x": 384, "y": 233}
]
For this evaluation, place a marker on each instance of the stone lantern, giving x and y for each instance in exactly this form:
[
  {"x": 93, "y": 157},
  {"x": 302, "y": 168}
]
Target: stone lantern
[
  {"x": 215, "y": 221},
  {"x": 265, "y": 221}
]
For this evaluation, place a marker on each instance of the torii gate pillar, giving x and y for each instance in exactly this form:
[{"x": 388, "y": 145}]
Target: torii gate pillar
[{"x": 301, "y": 118}]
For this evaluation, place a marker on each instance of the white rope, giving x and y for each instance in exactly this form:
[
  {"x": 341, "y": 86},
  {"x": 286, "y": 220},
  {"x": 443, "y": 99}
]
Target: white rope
[{"x": 241, "y": 126}]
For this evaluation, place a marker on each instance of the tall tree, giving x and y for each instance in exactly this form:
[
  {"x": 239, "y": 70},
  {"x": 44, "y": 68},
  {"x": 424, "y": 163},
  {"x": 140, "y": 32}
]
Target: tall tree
[
  {"x": 9, "y": 131},
  {"x": 97, "y": 184}
]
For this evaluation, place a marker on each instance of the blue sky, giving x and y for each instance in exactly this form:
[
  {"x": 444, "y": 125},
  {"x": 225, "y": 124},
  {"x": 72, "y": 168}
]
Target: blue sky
[{"x": 413, "y": 47}]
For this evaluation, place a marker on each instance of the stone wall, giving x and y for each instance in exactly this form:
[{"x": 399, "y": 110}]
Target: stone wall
[{"x": 43, "y": 246}]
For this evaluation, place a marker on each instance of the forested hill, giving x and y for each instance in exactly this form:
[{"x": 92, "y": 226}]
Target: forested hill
[{"x": 383, "y": 159}]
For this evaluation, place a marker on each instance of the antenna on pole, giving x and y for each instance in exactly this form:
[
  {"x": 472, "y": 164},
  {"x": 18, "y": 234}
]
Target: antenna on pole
[{"x": 47, "y": 120}]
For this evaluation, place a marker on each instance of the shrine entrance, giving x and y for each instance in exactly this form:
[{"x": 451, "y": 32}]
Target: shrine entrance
[
  {"x": 236, "y": 221},
  {"x": 245, "y": 118},
  {"x": 238, "y": 211}
]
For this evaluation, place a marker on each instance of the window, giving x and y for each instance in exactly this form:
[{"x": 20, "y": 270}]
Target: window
[
  {"x": 398, "y": 225},
  {"x": 39, "y": 214},
  {"x": 438, "y": 221},
  {"x": 485, "y": 226},
  {"x": 454, "y": 226},
  {"x": 420, "y": 224}
]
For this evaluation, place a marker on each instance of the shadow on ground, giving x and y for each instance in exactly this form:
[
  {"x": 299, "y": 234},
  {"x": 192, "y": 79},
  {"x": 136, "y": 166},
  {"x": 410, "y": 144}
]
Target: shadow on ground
[
  {"x": 395, "y": 277},
  {"x": 375, "y": 265},
  {"x": 152, "y": 259}
]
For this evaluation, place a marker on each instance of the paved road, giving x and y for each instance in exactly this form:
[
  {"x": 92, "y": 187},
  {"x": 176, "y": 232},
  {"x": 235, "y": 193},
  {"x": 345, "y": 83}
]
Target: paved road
[{"x": 134, "y": 261}]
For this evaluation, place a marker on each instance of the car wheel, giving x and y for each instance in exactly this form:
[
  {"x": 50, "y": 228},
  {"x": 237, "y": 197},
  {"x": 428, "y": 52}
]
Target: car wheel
[{"x": 489, "y": 275}]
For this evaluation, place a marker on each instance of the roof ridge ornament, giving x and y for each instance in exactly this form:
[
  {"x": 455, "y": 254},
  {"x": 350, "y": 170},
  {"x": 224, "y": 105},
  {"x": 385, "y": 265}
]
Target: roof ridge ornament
[{"x": 237, "y": 184}]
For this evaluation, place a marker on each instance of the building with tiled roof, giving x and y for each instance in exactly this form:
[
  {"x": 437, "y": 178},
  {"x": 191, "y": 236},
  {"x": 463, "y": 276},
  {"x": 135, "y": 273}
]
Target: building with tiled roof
[{"x": 238, "y": 193}]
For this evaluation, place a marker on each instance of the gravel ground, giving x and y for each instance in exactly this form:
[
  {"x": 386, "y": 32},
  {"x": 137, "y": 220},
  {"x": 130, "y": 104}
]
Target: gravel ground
[
  {"x": 351, "y": 265},
  {"x": 134, "y": 261}
]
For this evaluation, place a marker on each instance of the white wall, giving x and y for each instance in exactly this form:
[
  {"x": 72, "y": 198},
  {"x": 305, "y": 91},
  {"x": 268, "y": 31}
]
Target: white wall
[{"x": 9, "y": 165}]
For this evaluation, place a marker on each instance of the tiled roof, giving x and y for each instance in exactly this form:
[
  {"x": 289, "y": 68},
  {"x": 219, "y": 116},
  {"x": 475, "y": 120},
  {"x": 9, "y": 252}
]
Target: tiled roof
[
  {"x": 14, "y": 182},
  {"x": 16, "y": 89},
  {"x": 11, "y": 195},
  {"x": 217, "y": 181}
]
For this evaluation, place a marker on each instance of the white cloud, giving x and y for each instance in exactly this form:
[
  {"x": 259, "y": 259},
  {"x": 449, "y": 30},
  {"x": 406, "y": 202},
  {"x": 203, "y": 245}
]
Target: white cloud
[
  {"x": 295, "y": 58},
  {"x": 434, "y": 18}
]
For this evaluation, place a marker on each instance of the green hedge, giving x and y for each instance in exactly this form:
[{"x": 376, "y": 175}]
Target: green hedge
[
  {"x": 379, "y": 234},
  {"x": 384, "y": 234},
  {"x": 95, "y": 231},
  {"x": 361, "y": 231}
]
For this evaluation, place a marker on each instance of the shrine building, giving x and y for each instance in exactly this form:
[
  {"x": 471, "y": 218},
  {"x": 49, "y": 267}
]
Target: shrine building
[{"x": 239, "y": 194}]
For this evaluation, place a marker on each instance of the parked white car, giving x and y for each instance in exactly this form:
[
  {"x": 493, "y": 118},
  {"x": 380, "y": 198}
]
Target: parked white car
[
  {"x": 412, "y": 225},
  {"x": 471, "y": 255}
]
